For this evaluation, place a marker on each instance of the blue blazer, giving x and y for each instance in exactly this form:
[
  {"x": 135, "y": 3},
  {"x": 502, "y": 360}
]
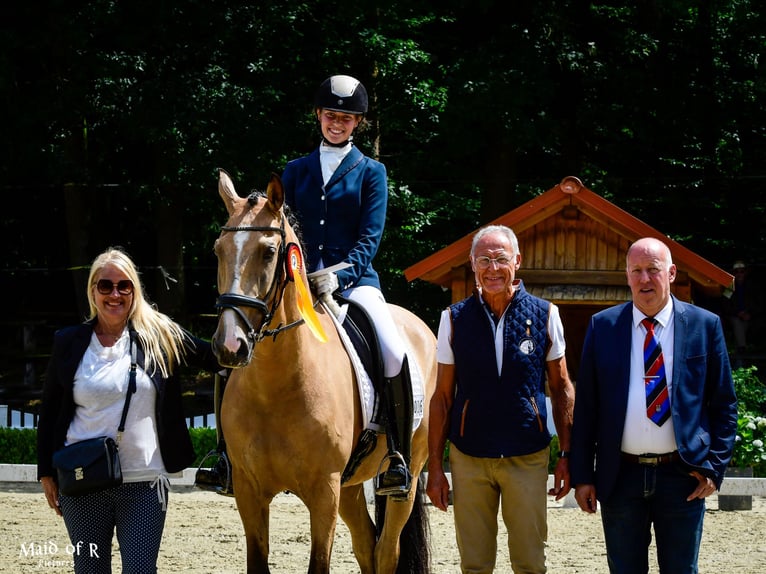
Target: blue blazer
[
  {"x": 344, "y": 220},
  {"x": 703, "y": 403}
]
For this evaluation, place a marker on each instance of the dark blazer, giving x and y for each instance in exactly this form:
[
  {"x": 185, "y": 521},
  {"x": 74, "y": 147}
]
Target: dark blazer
[
  {"x": 58, "y": 407},
  {"x": 344, "y": 220},
  {"x": 703, "y": 402}
]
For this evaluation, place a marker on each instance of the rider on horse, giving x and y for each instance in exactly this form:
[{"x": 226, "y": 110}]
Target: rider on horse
[{"x": 340, "y": 198}]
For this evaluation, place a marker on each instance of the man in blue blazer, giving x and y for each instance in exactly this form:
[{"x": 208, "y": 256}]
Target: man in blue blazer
[{"x": 652, "y": 459}]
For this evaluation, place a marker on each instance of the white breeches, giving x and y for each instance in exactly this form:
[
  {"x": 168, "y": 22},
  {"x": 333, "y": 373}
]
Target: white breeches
[{"x": 391, "y": 343}]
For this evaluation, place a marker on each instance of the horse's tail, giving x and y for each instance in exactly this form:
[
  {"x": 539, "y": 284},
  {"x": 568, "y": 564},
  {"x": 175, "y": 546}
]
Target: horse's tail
[{"x": 415, "y": 539}]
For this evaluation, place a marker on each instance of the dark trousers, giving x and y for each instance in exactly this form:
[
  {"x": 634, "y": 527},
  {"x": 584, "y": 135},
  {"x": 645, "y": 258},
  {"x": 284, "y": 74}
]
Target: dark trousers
[
  {"x": 652, "y": 495},
  {"x": 133, "y": 510}
]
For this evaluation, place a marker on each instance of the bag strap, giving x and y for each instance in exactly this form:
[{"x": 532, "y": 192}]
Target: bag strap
[{"x": 131, "y": 384}]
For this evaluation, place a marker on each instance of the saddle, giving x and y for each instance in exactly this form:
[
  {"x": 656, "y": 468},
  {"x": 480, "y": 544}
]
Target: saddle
[
  {"x": 361, "y": 341},
  {"x": 359, "y": 328}
]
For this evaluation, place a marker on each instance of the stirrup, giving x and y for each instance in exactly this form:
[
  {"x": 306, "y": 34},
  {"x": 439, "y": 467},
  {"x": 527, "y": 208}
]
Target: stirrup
[
  {"x": 394, "y": 490},
  {"x": 215, "y": 478}
]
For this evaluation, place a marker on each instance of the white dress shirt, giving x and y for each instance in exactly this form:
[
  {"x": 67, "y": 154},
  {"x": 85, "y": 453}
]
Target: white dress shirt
[{"x": 641, "y": 435}]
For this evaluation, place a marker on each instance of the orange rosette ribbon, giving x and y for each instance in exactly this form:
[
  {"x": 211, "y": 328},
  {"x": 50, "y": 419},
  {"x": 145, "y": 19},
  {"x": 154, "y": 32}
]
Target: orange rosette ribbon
[{"x": 305, "y": 307}]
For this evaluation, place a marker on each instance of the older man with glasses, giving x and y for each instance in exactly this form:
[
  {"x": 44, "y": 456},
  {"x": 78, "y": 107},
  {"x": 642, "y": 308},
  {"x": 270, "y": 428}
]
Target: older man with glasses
[{"x": 495, "y": 350}]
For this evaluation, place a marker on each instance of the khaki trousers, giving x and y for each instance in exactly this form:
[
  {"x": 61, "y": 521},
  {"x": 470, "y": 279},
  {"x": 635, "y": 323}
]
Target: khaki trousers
[{"x": 517, "y": 485}]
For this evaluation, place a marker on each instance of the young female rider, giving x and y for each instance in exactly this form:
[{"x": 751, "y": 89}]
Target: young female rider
[{"x": 340, "y": 197}]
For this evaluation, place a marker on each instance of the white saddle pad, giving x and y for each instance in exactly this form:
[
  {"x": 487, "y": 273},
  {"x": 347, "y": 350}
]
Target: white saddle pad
[{"x": 366, "y": 390}]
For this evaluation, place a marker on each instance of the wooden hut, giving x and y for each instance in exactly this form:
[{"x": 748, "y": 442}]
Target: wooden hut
[{"x": 573, "y": 245}]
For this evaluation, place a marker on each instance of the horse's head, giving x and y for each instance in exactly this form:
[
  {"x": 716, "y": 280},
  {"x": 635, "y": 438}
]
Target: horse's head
[{"x": 251, "y": 251}]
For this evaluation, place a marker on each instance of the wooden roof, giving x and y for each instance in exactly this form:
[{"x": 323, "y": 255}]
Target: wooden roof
[{"x": 571, "y": 236}]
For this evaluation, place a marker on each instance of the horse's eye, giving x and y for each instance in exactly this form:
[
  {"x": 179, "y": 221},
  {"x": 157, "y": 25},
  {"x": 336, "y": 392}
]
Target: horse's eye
[{"x": 269, "y": 253}]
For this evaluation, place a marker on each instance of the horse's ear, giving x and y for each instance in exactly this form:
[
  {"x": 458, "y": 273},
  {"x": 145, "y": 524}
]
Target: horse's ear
[
  {"x": 275, "y": 192},
  {"x": 226, "y": 190}
]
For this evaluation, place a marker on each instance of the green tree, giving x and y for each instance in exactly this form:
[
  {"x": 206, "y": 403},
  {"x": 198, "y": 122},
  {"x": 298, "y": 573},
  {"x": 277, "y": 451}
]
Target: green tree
[{"x": 118, "y": 114}]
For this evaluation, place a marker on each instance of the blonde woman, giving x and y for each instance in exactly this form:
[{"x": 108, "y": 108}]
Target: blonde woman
[{"x": 83, "y": 397}]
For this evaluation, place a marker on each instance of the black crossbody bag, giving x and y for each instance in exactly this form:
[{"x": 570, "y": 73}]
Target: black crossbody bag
[{"x": 93, "y": 465}]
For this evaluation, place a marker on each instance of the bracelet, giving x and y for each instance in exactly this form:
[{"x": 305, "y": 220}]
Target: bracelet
[{"x": 563, "y": 454}]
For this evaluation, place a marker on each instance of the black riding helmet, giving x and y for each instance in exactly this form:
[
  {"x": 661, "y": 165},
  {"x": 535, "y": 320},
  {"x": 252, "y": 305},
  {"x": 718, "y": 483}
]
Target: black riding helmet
[{"x": 342, "y": 94}]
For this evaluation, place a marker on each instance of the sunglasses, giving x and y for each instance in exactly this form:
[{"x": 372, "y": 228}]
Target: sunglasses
[{"x": 105, "y": 287}]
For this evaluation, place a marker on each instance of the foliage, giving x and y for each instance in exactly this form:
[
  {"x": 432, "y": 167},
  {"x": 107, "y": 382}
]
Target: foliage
[
  {"x": 554, "y": 458},
  {"x": 751, "y": 391},
  {"x": 18, "y": 446},
  {"x": 204, "y": 439},
  {"x": 750, "y": 445},
  {"x": 118, "y": 122}
]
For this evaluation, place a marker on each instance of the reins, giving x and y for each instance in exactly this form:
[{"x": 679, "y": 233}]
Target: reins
[{"x": 276, "y": 290}]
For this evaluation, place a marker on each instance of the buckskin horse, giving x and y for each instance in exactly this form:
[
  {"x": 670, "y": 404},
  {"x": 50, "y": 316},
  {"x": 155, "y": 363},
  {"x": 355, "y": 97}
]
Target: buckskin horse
[{"x": 291, "y": 412}]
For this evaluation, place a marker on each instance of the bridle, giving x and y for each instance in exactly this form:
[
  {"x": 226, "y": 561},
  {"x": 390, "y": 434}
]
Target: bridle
[{"x": 276, "y": 290}]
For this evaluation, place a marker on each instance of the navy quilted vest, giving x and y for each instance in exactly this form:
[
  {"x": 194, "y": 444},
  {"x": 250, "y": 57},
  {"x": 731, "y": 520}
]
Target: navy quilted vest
[{"x": 497, "y": 416}]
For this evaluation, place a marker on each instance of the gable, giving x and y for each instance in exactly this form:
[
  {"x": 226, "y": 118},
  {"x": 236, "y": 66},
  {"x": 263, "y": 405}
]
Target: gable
[
  {"x": 571, "y": 237},
  {"x": 573, "y": 245}
]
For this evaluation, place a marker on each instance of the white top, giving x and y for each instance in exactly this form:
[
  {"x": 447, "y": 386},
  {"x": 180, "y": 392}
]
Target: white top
[
  {"x": 640, "y": 434},
  {"x": 330, "y": 158},
  {"x": 100, "y": 385},
  {"x": 445, "y": 355}
]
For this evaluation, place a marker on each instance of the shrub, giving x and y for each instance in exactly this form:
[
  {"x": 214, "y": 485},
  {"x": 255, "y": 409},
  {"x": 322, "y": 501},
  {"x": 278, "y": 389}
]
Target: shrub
[
  {"x": 204, "y": 439},
  {"x": 19, "y": 446},
  {"x": 554, "y": 458},
  {"x": 750, "y": 445}
]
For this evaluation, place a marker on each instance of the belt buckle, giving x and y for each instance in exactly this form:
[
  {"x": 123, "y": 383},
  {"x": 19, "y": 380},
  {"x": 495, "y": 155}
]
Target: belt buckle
[{"x": 650, "y": 460}]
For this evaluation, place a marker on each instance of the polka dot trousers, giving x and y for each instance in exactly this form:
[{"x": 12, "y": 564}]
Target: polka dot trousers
[{"x": 132, "y": 510}]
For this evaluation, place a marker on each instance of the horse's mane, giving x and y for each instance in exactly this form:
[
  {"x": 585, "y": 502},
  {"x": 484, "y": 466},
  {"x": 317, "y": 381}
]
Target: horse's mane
[{"x": 292, "y": 219}]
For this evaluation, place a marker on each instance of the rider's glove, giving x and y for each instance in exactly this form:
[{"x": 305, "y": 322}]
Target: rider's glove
[{"x": 325, "y": 283}]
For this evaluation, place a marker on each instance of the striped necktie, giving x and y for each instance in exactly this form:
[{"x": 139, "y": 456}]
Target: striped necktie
[{"x": 655, "y": 382}]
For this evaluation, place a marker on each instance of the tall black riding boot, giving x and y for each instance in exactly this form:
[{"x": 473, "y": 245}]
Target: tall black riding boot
[
  {"x": 397, "y": 395},
  {"x": 218, "y": 477}
]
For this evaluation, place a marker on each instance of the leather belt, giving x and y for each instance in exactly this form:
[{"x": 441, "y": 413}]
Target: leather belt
[{"x": 651, "y": 459}]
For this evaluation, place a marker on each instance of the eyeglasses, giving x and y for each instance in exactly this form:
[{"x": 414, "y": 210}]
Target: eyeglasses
[
  {"x": 105, "y": 287},
  {"x": 484, "y": 262}
]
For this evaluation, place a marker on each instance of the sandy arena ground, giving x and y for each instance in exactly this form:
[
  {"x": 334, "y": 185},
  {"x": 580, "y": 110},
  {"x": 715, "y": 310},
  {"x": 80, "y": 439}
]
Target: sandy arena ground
[{"x": 203, "y": 535}]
